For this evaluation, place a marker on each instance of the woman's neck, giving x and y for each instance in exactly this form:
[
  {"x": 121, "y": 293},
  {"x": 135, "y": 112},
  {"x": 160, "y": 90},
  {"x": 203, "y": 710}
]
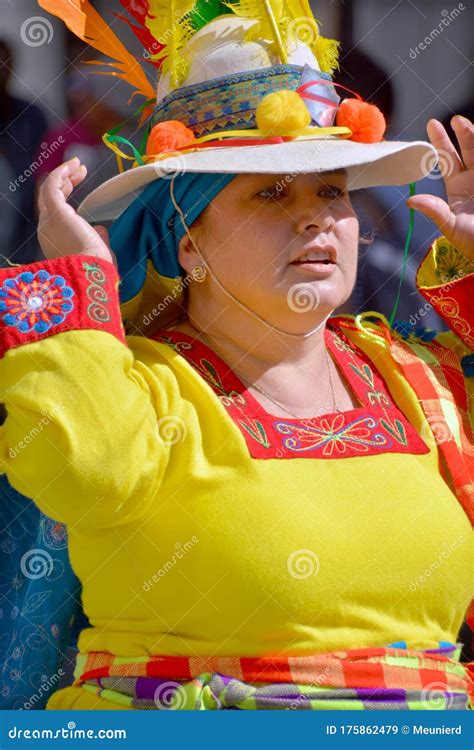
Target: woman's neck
[{"x": 297, "y": 373}]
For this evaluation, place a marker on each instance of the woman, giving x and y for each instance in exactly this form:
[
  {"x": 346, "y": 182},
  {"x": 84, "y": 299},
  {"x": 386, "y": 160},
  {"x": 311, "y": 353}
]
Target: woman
[{"x": 254, "y": 495}]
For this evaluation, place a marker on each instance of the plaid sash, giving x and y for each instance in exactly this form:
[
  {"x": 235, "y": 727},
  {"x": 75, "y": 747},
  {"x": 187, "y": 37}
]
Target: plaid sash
[{"x": 369, "y": 678}]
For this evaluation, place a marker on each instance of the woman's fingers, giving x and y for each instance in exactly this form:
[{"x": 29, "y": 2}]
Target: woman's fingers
[
  {"x": 59, "y": 185},
  {"x": 442, "y": 143},
  {"x": 465, "y": 134},
  {"x": 436, "y": 209}
]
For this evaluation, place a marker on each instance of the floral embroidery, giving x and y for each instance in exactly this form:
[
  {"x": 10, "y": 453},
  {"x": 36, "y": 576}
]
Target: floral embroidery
[
  {"x": 97, "y": 309},
  {"x": 332, "y": 435},
  {"x": 35, "y": 301},
  {"x": 256, "y": 430},
  {"x": 451, "y": 264}
]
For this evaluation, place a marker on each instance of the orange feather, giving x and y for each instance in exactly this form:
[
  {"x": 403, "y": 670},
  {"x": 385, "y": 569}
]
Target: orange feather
[{"x": 87, "y": 24}]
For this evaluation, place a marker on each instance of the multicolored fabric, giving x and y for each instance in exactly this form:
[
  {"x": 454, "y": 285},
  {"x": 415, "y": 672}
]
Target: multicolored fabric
[
  {"x": 358, "y": 679},
  {"x": 228, "y": 102},
  {"x": 377, "y": 426},
  {"x": 36, "y": 303}
]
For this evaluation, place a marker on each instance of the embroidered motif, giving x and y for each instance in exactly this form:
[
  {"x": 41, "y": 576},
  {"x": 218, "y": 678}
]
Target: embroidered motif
[
  {"x": 35, "y": 301},
  {"x": 451, "y": 264},
  {"x": 377, "y": 426},
  {"x": 256, "y": 430},
  {"x": 97, "y": 309},
  {"x": 332, "y": 435}
]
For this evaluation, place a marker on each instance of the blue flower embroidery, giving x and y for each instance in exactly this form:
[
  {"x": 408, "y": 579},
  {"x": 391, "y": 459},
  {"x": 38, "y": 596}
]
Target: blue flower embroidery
[{"x": 35, "y": 301}]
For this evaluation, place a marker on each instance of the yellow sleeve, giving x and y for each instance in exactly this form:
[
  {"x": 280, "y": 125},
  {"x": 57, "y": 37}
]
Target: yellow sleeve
[{"x": 82, "y": 435}]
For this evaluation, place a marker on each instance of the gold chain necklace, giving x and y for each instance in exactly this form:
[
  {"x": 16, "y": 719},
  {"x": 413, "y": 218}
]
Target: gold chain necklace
[
  {"x": 277, "y": 403},
  {"x": 273, "y": 400}
]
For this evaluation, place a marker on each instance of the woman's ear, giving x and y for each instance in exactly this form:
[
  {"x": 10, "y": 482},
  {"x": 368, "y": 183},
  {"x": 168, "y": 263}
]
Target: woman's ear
[{"x": 187, "y": 255}]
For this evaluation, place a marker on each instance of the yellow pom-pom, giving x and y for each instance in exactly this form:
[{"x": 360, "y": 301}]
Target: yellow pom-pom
[{"x": 281, "y": 112}]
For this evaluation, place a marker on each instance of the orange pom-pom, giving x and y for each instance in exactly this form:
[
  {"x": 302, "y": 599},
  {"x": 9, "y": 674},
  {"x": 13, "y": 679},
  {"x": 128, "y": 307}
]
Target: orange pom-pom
[
  {"x": 168, "y": 136},
  {"x": 365, "y": 120}
]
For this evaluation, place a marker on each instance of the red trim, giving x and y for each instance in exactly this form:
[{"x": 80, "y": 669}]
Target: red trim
[
  {"x": 377, "y": 426},
  {"x": 75, "y": 292},
  {"x": 453, "y": 303}
]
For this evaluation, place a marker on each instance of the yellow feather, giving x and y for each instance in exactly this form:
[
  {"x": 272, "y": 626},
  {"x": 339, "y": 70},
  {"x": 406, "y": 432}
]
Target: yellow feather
[
  {"x": 325, "y": 50},
  {"x": 168, "y": 22},
  {"x": 271, "y": 22}
]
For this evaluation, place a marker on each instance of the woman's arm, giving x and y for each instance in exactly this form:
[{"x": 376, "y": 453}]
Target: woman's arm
[{"x": 81, "y": 435}]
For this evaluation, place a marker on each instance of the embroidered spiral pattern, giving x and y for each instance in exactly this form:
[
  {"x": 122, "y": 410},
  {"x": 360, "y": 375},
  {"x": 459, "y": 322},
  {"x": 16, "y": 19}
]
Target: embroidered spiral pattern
[{"x": 97, "y": 294}]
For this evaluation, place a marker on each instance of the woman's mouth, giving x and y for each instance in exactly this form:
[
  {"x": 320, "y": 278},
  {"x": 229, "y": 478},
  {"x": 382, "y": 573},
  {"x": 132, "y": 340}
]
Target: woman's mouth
[{"x": 319, "y": 262}]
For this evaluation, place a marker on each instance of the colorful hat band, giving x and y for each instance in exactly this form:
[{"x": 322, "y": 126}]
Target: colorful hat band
[{"x": 229, "y": 102}]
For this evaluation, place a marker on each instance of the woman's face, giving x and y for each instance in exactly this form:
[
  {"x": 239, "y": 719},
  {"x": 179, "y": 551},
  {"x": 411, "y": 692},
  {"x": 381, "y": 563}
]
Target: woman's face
[{"x": 256, "y": 230}]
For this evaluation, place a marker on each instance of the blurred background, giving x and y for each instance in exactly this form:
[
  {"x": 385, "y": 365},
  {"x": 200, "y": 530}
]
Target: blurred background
[{"x": 412, "y": 58}]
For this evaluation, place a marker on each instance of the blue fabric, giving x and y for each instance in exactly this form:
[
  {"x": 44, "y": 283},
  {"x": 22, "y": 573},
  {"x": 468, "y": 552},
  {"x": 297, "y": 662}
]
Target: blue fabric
[
  {"x": 151, "y": 228},
  {"x": 40, "y": 608}
]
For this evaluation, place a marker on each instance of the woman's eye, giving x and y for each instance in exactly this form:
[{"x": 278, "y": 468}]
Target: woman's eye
[
  {"x": 331, "y": 191},
  {"x": 271, "y": 192}
]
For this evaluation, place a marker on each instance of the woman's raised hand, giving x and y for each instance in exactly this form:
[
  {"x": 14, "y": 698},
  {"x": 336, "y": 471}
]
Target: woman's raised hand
[
  {"x": 454, "y": 217},
  {"x": 60, "y": 230}
]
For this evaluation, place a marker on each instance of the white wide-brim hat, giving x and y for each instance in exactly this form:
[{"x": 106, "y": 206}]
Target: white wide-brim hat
[
  {"x": 367, "y": 165},
  {"x": 219, "y": 57}
]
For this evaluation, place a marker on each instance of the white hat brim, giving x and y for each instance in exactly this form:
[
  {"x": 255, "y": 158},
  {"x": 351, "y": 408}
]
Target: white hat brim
[{"x": 368, "y": 165}]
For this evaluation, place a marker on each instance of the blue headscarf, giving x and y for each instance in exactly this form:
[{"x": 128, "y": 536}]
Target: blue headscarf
[{"x": 150, "y": 228}]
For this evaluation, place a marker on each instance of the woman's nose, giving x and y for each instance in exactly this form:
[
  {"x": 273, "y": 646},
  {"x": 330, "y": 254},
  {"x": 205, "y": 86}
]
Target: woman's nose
[{"x": 315, "y": 216}]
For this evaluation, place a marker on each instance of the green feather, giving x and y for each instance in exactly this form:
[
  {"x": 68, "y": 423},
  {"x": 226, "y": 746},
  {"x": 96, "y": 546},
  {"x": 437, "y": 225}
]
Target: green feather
[{"x": 205, "y": 11}]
